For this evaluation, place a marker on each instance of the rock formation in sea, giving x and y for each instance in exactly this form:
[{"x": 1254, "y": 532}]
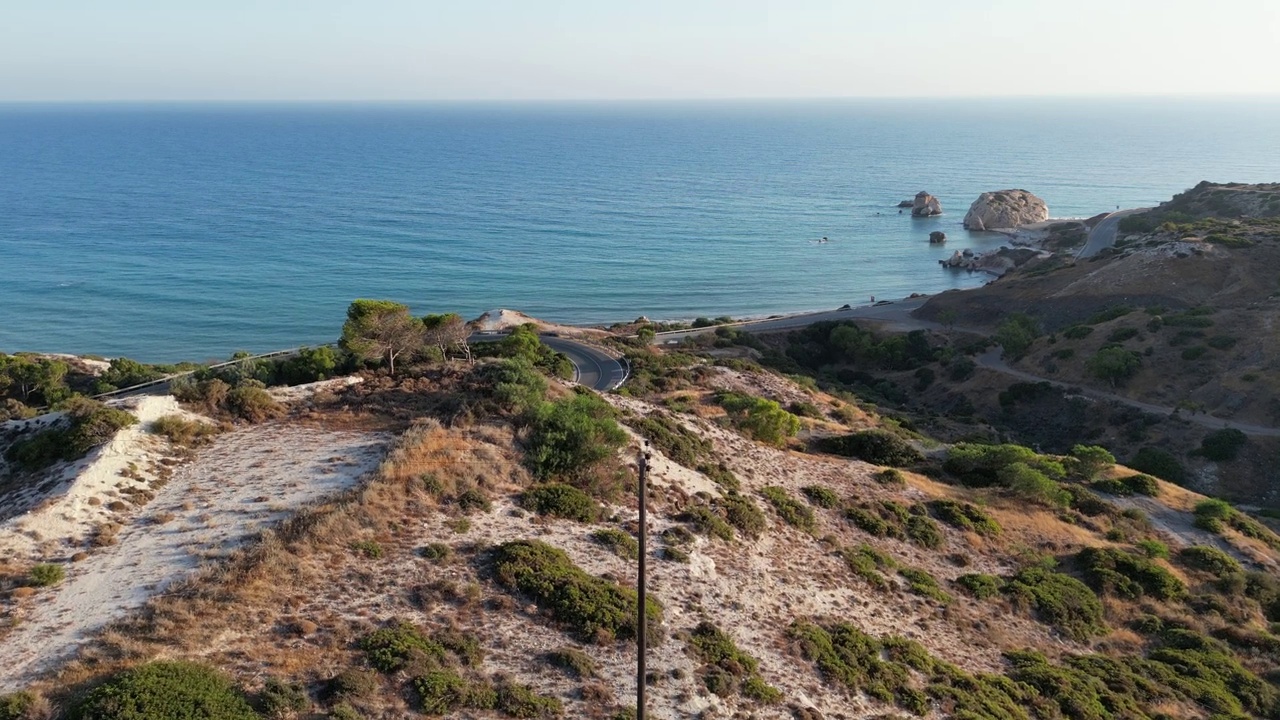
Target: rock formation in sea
[
  {"x": 925, "y": 205},
  {"x": 937, "y": 237},
  {"x": 906, "y": 203},
  {"x": 1005, "y": 209}
]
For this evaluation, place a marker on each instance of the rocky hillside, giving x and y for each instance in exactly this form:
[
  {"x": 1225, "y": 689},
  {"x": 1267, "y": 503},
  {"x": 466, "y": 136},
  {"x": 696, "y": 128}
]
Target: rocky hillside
[{"x": 809, "y": 558}]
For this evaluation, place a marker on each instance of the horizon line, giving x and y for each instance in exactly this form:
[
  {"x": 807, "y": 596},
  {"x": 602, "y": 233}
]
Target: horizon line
[{"x": 631, "y": 100}]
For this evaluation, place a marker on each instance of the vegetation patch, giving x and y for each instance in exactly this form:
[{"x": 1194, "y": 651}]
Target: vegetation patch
[
  {"x": 1115, "y": 572},
  {"x": 570, "y": 438},
  {"x": 1127, "y": 486},
  {"x": 562, "y": 501},
  {"x": 1222, "y": 445},
  {"x": 672, "y": 439},
  {"x": 869, "y": 564},
  {"x": 924, "y": 584},
  {"x": 1209, "y": 559},
  {"x": 1161, "y": 463},
  {"x": 591, "y": 607},
  {"x": 980, "y": 586},
  {"x": 1060, "y": 600},
  {"x": 620, "y": 542},
  {"x": 886, "y": 518},
  {"x": 877, "y": 447},
  {"x": 89, "y": 424},
  {"x": 726, "y": 670},
  {"x": 742, "y": 513},
  {"x": 183, "y": 432},
  {"x": 820, "y": 496},
  {"x": 401, "y": 645},
  {"x": 965, "y": 516},
  {"x": 792, "y": 511},
  {"x": 706, "y": 521},
  {"x": 165, "y": 690},
  {"x": 758, "y": 418}
]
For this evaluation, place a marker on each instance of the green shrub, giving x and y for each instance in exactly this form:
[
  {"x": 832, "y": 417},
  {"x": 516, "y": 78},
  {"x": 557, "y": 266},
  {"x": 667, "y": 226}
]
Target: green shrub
[
  {"x": 520, "y": 701},
  {"x": 515, "y": 385},
  {"x": 1122, "y": 334},
  {"x": 1162, "y": 464},
  {"x": 924, "y": 532},
  {"x": 1016, "y": 334},
  {"x": 563, "y": 501},
  {"x": 46, "y": 574},
  {"x": 1209, "y": 559},
  {"x": 251, "y": 402},
  {"x": 368, "y": 548},
  {"x": 89, "y": 424},
  {"x": 1029, "y": 483},
  {"x": 1114, "y": 364},
  {"x": 473, "y": 499},
  {"x": 1222, "y": 445},
  {"x": 571, "y": 437},
  {"x": 877, "y": 447},
  {"x": 1142, "y": 485},
  {"x": 440, "y": 692},
  {"x": 344, "y": 711},
  {"x": 354, "y": 684},
  {"x": 591, "y": 607},
  {"x": 621, "y": 543},
  {"x": 981, "y": 465},
  {"x": 1194, "y": 353},
  {"x": 732, "y": 668},
  {"x": 821, "y": 496},
  {"x": 165, "y": 690},
  {"x": 743, "y": 514},
  {"x": 672, "y": 439},
  {"x": 574, "y": 661},
  {"x": 890, "y": 476},
  {"x": 761, "y": 419},
  {"x": 1077, "y": 332},
  {"x": 1153, "y": 548},
  {"x": 792, "y": 511},
  {"x": 965, "y": 517},
  {"x": 1091, "y": 459},
  {"x": 399, "y": 645},
  {"x": 980, "y": 586},
  {"x": 283, "y": 699},
  {"x": 922, "y": 583},
  {"x": 184, "y": 432},
  {"x": 1061, "y": 601},
  {"x": 1115, "y": 572},
  {"x": 868, "y": 563},
  {"x": 19, "y": 706},
  {"x": 706, "y": 521}
]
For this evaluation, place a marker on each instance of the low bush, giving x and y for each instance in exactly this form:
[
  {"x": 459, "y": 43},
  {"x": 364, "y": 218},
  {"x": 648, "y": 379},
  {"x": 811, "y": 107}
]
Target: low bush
[
  {"x": 1153, "y": 548},
  {"x": 979, "y": 465},
  {"x": 890, "y": 476},
  {"x": 569, "y": 438},
  {"x": 792, "y": 511},
  {"x": 368, "y": 548},
  {"x": 672, "y": 439},
  {"x": 821, "y": 496},
  {"x": 732, "y": 669},
  {"x": 742, "y": 513},
  {"x": 573, "y": 661},
  {"x": 706, "y": 521},
  {"x": 562, "y": 501},
  {"x": 980, "y": 586},
  {"x": 184, "y": 432},
  {"x": 1222, "y": 445},
  {"x": 1115, "y": 572},
  {"x": 250, "y": 401},
  {"x": 165, "y": 690},
  {"x": 965, "y": 516},
  {"x": 620, "y": 542},
  {"x": 283, "y": 699},
  {"x": 1077, "y": 332},
  {"x": 869, "y": 564},
  {"x": 401, "y": 645},
  {"x": 89, "y": 424},
  {"x": 46, "y": 574},
  {"x": 761, "y": 419},
  {"x": 1209, "y": 559},
  {"x": 877, "y": 447},
  {"x": 924, "y": 584},
  {"x": 593, "y": 608},
  {"x": 23, "y": 706},
  {"x": 1060, "y": 600},
  {"x": 1161, "y": 463}
]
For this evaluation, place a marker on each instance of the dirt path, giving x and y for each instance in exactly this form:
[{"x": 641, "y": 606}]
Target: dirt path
[{"x": 235, "y": 488}]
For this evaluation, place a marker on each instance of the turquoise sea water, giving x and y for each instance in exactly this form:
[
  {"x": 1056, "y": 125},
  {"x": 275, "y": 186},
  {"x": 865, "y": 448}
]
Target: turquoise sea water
[{"x": 187, "y": 232}]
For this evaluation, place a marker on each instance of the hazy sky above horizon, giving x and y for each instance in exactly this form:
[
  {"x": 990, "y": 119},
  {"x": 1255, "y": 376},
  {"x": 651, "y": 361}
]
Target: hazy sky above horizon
[{"x": 87, "y": 50}]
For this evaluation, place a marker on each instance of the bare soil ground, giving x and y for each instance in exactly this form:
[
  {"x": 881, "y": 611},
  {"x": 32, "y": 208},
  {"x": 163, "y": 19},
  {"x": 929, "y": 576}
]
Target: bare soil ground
[{"x": 243, "y": 483}]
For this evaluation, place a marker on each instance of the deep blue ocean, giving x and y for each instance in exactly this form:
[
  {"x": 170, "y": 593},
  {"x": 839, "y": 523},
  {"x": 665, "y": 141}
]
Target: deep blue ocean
[{"x": 188, "y": 232}]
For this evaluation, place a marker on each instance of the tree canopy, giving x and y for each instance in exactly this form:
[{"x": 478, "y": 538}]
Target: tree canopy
[{"x": 381, "y": 329}]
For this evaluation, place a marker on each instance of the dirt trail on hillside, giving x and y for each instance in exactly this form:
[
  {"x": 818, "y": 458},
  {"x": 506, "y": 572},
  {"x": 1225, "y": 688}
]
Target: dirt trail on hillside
[{"x": 235, "y": 488}]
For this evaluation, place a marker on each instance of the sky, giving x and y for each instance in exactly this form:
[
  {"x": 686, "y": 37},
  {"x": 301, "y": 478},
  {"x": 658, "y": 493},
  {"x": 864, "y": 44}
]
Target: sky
[{"x": 420, "y": 50}]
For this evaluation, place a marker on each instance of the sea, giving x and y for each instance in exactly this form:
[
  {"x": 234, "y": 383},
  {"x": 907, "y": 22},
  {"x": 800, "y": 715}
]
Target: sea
[{"x": 187, "y": 232}]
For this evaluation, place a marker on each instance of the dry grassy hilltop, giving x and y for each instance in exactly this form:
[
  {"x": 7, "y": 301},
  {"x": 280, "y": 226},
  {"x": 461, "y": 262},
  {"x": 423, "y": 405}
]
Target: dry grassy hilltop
[{"x": 458, "y": 539}]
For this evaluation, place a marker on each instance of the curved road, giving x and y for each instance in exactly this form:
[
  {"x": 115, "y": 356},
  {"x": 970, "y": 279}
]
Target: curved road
[
  {"x": 593, "y": 367},
  {"x": 1103, "y": 235}
]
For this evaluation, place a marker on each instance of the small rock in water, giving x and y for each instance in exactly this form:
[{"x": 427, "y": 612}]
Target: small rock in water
[
  {"x": 925, "y": 205},
  {"x": 937, "y": 237}
]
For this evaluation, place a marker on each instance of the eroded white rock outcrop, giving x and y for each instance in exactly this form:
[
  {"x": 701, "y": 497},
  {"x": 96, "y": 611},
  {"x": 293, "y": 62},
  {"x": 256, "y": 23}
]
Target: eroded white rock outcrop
[{"x": 1005, "y": 209}]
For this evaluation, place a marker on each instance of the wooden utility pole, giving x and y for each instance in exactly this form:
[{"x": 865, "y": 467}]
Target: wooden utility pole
[{"x": 643, "y": 465}]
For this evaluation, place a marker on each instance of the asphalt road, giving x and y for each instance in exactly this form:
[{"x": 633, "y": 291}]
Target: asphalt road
[
  {"x": 592, "y": 366},
  {"x": 1103, "y": 234}
]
